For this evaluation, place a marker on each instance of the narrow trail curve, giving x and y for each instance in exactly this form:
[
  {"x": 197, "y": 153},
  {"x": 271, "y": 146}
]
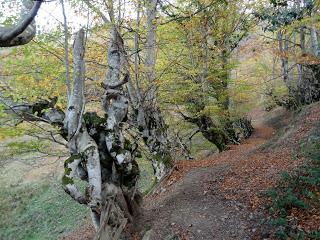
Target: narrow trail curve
[{"x": 216, "y": 198}]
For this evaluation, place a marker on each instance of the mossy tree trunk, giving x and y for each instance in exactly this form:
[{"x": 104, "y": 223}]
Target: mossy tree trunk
[
  {"x": 148, "y": 115},
  {"x": 231, "y": 132},
  {"x": 100, "y": 152}
]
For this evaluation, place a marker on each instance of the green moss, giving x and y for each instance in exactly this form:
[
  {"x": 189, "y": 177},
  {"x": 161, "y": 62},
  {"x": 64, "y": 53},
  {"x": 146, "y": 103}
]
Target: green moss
[
  {"x": 217, "y": 136},
  {"x": 146, "y": 177},
  {"x": 28, "y": 146},
  {"x": 153, "y": 183},
  {"x": 9, "y": 132},
  {"x": 165, "y": 158},
  {"x": 127, "y": 144},
  {"x": 66, "y": 180},
  {"x": 138, "y": 154},
  {"x": 71, "y": 159},
  {"x": 67, "y": 171},
  {"x": 94, "y": 119}
]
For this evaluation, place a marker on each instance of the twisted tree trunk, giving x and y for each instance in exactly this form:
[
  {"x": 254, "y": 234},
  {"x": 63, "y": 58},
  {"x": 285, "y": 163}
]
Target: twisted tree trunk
[
  {"x": 149, "y": 118},
  {"x": 120, "y": 171},
  {"x": 82, "y": 146},
  {"x": 284, "y": 48},
  {"x": 100, "y": 152},
  {"x": 232, "y": 132},
  {"x": 314, "y": 40}
]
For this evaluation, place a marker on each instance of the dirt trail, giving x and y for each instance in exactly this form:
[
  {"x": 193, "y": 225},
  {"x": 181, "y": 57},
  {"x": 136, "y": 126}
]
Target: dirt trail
[{"x": 217, "y": 198}]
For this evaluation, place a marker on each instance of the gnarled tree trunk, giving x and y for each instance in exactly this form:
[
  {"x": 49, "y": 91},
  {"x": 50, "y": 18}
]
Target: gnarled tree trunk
[
  {"x": 120, "y": 171},
  {"x": 232, "y": 132},
  {"x": 148, "y": 114},
  {"x": 100, "y": 152}
]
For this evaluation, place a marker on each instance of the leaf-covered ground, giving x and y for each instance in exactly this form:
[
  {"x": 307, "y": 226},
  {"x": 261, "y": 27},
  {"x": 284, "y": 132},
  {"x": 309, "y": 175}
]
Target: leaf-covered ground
[{"x": 222, "y": 197}]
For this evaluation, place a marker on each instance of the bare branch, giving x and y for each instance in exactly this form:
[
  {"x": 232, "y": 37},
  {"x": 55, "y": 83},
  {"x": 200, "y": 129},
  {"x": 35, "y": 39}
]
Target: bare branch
[
  {"x": 18, "y": 35},
  {"x": 66, "y": 48},
  {"x": 96, "y": 10},
  {"x": 116, "y": 85}
]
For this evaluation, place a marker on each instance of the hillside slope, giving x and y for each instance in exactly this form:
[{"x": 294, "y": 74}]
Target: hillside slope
[{"x": 220, "y": 197}]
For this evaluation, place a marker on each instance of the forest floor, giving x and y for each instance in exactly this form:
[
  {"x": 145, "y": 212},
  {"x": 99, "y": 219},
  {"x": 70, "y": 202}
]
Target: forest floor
[{"x": 221, "y": 197}]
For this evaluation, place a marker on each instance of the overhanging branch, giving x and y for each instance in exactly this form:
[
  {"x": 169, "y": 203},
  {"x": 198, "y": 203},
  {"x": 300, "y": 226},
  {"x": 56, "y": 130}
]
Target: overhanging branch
[{"x": 18, "y": 35}]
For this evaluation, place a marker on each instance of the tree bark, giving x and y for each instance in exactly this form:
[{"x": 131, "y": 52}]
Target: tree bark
[
  {"x": 25, "y": 30},
  {"x": 224, "y": 95},
  {"x": 120, "y": 196},
  {"x": 314, "y": 41},
  {"x": 101, "y": 152},
  {"x": 150, "y": 61},
  {"x": 149, "y": 118},
  {"x": 303, "y": 39},
  {"x": 284, "y": 51},
  {"x": 82, "y": 147}
]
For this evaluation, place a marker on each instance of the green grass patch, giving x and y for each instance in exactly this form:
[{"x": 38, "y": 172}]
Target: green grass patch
[
  {"x": 28, "y": 146},
  {"x": 9, "y": 132},
  {"x": 38, "y": 211}
]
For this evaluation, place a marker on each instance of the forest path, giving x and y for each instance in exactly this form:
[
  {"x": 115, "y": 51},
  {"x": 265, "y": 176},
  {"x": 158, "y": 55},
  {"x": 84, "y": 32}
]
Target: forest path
[{"x": 218, "y": 198}]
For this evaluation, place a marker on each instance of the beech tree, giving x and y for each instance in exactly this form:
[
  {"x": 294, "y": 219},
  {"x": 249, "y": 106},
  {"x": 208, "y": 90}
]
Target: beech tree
[
  {"x": 149, "y": 117},
  {"x": 101, "y": 151},
  {"x": 297, "y": 31},
  {"x": 208, "y": 37}
]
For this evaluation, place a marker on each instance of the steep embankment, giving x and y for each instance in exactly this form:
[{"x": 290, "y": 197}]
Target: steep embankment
[{"x": 220, "y": 197}]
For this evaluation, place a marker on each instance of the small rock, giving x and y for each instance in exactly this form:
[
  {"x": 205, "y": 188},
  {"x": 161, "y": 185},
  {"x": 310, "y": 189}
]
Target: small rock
[{"x": 147, "y": 235}]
